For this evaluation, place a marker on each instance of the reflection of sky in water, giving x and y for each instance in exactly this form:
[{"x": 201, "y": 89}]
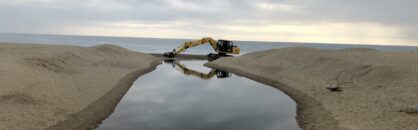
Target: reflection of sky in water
[{"x": 167, "y": 99}]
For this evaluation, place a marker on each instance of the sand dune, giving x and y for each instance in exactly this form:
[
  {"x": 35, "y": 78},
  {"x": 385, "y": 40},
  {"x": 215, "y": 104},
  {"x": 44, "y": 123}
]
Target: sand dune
[
  {"x": 379, "y": 90},
  {"x": 64, "y": 87}
]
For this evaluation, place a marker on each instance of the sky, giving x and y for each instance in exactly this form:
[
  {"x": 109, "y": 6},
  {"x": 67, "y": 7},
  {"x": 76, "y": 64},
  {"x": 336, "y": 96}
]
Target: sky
[{"x": 380, "y": 22}]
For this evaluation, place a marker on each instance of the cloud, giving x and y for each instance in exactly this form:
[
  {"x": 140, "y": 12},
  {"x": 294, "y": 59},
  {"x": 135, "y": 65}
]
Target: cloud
[{"x": 373, "y": 21}]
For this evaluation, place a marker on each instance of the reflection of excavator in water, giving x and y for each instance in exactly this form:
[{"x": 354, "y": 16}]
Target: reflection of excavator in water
[
  {"x": 222, "y": 47},
  {"x": 205, "y": 76}
]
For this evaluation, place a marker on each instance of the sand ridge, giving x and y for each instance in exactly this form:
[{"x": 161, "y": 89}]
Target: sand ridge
[
  {"x": 60, "y": 86},
  {"x": 377, "y": 87}
]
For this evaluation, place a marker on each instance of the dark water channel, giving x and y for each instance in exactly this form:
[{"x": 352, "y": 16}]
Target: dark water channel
[{"x": 185, "y": 95}]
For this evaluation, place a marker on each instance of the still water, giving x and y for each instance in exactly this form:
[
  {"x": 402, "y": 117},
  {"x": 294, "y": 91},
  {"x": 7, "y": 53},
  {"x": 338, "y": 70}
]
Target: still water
[{"x": 185, "y": 95}]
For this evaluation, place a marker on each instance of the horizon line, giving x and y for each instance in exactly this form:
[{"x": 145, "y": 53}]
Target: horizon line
[{"x": 272, "y": 42}]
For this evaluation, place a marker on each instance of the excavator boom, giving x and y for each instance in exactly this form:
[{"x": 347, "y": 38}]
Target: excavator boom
[
  {"x": 222, "y": 47},
  {"x": 202, "y": 41}
]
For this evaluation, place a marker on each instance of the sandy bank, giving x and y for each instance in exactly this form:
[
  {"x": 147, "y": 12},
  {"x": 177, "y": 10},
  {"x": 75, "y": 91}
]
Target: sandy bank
[
  {"x": 64, "y": 87},
  {"x": 377, "y": 87}
]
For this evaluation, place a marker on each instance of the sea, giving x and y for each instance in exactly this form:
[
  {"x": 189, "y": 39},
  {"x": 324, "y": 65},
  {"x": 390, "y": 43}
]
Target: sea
[{"x": 160, "y": 45}]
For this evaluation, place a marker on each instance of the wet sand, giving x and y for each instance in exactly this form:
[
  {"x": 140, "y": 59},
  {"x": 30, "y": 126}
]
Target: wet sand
[
  {"x": 379, "y": 90},
  {"x": 65, "y": 87}
]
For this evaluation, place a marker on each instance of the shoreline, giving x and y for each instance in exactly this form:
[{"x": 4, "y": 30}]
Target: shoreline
[
  {"x": 65, "y": 87},
  {"x": 93, "y": 115},
  {"x": 309, "y": 112}
]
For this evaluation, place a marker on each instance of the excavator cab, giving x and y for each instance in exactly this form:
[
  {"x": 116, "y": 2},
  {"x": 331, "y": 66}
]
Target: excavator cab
[{"x": 224, "y": 46}]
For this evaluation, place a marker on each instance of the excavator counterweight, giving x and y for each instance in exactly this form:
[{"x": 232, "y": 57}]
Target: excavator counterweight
[{"x": 221, "y": 47}]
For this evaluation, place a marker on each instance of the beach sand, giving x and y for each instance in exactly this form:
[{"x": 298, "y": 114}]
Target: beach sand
[
  {"x": 379, "y": 90},
  {"x": 65, "y": 87}
]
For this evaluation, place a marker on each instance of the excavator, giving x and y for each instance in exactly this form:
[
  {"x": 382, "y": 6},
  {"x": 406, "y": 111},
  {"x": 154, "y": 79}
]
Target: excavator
[
  {"x": 222, "y": 47},
  {"x": 205, "y": 76}
]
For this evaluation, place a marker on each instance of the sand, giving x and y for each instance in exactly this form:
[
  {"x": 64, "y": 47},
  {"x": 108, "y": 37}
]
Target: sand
[
  {"x": 378, "y": 89},
  {"x": 65, "y": 87}
]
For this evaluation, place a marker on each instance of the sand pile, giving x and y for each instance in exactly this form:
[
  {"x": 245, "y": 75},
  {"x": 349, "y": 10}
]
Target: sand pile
[
  {"x": 378, "y": 89},
  {"x": 64, "y": 87}
]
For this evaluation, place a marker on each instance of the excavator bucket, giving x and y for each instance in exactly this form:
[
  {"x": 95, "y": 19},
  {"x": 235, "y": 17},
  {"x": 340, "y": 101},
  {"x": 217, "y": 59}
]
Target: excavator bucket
[{"x": 169, "y": 54}]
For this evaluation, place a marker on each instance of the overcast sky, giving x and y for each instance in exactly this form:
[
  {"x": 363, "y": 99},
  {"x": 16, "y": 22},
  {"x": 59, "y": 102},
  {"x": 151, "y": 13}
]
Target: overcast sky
[{"x": 330, "y": 21}]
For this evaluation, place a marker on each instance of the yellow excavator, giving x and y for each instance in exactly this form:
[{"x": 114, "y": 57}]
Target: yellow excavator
[
  {"x": 205, "y": 76},
  {"x": 222, "y": 47}
]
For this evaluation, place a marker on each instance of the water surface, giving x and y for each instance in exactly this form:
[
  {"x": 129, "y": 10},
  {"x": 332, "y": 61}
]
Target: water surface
[{"x": 171, "y": 98}]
